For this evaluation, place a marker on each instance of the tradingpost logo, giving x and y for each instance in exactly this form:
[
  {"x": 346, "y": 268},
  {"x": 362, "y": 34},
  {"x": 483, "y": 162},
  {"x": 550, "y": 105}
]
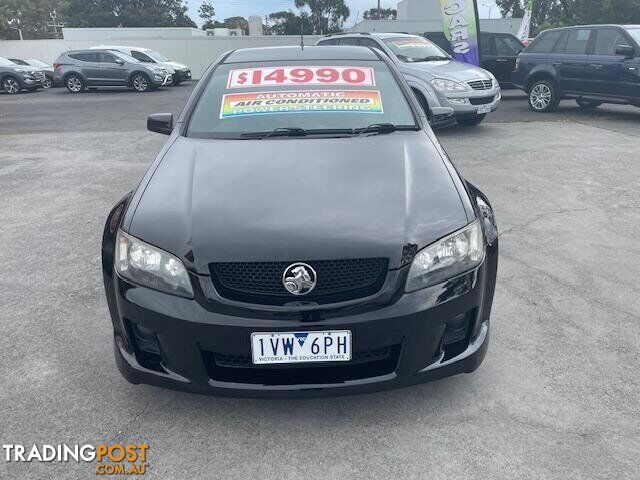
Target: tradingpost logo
[{"x": 113, "y": 459}]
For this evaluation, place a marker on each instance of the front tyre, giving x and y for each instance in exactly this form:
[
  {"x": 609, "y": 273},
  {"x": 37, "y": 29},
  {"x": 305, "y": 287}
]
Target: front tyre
[
  {"x": 141, "y": 83},
  {"x": 471, "y": 121},
  {"x": 48, "y": 82},
  {"x": 10, "y": 85},
  {"x": 74, "y": 84},
  {"x": 543, "y": 96}
]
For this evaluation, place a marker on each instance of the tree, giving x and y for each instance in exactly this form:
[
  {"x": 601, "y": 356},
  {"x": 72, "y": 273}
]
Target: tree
[
  {"x": 326, "y": 16},
  {"x": 288, "y": 23},
  {"x": 237, "y": 22},
  {"x": 32, "y": 15},
  {"x": 207, "y": 13},
  {"x": 127, "y": 13},
  {"x": 383, "y": 14}
]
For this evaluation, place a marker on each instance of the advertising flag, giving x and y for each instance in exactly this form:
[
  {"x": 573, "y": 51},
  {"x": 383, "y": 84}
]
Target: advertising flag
[
  {"x": 462, "y": 29},
  {"x": 525, "y": 26}
]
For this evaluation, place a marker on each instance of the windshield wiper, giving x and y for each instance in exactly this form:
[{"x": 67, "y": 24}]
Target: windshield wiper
[
  {"x": 383, "y": 128},
  {"x": 297, "y": 132},
  {"x": 433, "y": 58}
]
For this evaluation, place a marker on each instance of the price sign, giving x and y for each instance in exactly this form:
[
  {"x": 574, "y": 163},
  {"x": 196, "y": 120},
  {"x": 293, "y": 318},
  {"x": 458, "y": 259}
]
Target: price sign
[{"x": 286, "y": 76}]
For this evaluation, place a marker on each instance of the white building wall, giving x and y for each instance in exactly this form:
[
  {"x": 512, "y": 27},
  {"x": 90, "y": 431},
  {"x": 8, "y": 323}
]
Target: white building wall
[
  {"x": 496, "y": 25},
  {"x": 198, "y": 52},
  {"x": 142, "y": 32}
]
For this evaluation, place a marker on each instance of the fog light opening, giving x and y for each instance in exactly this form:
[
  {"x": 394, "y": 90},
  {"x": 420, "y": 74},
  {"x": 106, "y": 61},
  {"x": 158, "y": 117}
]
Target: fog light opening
[
  {"x": 147, "y": 347},
  {"x": 457, "y": 333}
]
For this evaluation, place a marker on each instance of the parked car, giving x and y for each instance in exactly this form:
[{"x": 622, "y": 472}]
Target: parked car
[
  {"x": 80, "y": 69},
  {"x": 15, "y": 78},
  {"x": 39, "y": 65},
  {"x": 446, "y": 88},
  {"x": 593, "y": 64},
  {"x": 180, "y": 72},
  {"x": 302, "y": 233},
  {"x": 498, "y": 53}
]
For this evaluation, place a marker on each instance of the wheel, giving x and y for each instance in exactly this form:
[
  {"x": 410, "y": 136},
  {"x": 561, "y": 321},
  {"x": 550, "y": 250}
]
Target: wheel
[
  {"x": 141, "y": 83},
  {"x": 48, "y": 83},
  {"x": 543, "y": 96},
  {"x": 471, "y": 121},
  {"x": 10, "y": 85},
  {"x": 588, "y": 104},
  {"x": 74, "y": 83}
]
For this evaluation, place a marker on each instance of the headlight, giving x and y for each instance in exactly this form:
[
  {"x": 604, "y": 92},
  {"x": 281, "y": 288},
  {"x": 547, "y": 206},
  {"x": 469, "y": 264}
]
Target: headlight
[
  {"x": 444, "y": 85},
  {"x": 151, "y": 267},
  {"x": 453, "y": 255},
  {"x": 489, "y": 221},
  {"x": 22, "y": 70}
]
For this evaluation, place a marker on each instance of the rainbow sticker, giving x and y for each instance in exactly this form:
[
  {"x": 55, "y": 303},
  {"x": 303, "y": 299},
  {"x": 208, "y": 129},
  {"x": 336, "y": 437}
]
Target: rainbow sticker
[{"x": 301, "y": 101}]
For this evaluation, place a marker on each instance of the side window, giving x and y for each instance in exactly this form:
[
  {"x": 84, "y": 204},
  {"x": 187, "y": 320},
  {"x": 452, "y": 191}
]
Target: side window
[
  {"x": 607, "y": 39},
  {"x": 577, "y": 41},
  {"x": 507, "y": 46},
  {"x": 546, "y": 42},
  {"x": 349, "y": 41},
  {"x": 142, "y": 56},
  {"x": 333, "y": 41},
  {"x": 104, "y": 57},
  {"x": 367, "y": 42},
  {"x": 487, "y": 44}
]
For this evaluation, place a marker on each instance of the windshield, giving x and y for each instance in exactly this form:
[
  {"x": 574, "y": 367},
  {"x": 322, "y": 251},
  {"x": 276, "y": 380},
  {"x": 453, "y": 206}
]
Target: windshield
[
  {"x": 6, "y": 63},
  {"x": 415, "y": 49},
  {"x": 245, "y": 99},
  {"x": 635, "y": 33},
  {"x": 127, "y": 58},
  {"x": 157, "y": 56},
  {"x": 37, "y": 63}
]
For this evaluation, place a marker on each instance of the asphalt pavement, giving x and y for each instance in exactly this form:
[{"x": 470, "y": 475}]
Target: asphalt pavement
[{"x": 558, "y": 396}]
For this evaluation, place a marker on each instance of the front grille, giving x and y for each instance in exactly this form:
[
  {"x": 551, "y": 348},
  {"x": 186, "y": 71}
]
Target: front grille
[
  {"x": 481, "y": 84},
  {"x": 241, "y": 361},
  {"x": 481, "y": 100},
  {"x": 337, "y": 280},
  {"x": 365, "y": 364},
  {"x": 39, "y": 76}
]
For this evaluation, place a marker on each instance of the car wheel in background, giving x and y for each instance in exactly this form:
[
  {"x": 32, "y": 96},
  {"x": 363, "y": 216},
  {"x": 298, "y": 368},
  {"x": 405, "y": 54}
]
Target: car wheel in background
[
  {"x": 10, "y": 85},
  {"x": 48, "y": 82},
  {"x": 141, "y": 83},
  {"x": 587, "y": 104},
  {"x": 74, "y": 84},
  {"x": 176, "y": 81},
  {"x": 543, "y": 96},
  {"x": 471, "y": 121}
]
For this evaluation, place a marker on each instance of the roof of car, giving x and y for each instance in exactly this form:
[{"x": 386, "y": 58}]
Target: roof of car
[
  {"x": 271, "y": 54},
  {"x": 117, "y": 47},
  {"x": 595, "y": 26},
  {"x": 381, "y": 35}
]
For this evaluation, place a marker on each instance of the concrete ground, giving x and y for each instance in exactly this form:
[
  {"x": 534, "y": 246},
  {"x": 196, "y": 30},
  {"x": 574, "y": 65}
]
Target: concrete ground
[{"x": 558, "y": 396}]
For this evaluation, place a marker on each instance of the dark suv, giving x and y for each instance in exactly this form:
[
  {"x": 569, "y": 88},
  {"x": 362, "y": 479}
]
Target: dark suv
[
  {"x": 593, "y": 64},
  {"x": 80, "y": 69}
]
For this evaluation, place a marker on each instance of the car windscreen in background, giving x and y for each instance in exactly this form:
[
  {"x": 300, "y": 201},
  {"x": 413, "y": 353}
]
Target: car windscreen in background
[{"x": 251, "y": 97}]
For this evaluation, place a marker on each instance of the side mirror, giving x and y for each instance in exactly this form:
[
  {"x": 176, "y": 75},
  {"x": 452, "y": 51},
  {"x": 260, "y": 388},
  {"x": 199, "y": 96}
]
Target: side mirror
[
  {"x": 160, "y": 123},
  {"x": 626, "y": 50}
]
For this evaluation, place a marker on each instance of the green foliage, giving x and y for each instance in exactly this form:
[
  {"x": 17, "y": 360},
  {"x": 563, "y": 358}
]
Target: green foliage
[
  {"x": 326, "y": 16},
  {"x": 34, "y": 17},
  {"x": 383, "y": 14},
  {"x": 288, "y": 23},
  {"x": 207, "y": 12},
  {"x": 558, "y": 13}
]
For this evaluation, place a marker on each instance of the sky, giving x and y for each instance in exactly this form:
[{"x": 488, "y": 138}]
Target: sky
[{"x": 245, "y": 8}]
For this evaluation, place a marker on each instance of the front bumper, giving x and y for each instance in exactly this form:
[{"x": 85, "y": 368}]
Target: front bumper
[
  {"x": 477, "y": 102},
  {"x": 204, "y": 347},
  {"x": 182, "y": 75}
]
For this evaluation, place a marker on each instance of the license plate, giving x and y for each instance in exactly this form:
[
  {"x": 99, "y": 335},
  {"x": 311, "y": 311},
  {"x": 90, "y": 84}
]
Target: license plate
[
  {"x": 484, "y": 109},
  {"x": 301, "y": 347}
]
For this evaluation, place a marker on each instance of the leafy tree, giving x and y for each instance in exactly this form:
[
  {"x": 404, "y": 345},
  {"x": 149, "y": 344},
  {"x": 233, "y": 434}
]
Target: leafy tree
[
  {"x": 207, "y": 13},
  {"x": 237, "y": 22},
  {"x": 33, "y": 16},
  {"x": 326, "y": 16},
  {"x": 127, "y": 13},
  {"x": 383, "y": 14},
  {"x": 288, "y": 23}
]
